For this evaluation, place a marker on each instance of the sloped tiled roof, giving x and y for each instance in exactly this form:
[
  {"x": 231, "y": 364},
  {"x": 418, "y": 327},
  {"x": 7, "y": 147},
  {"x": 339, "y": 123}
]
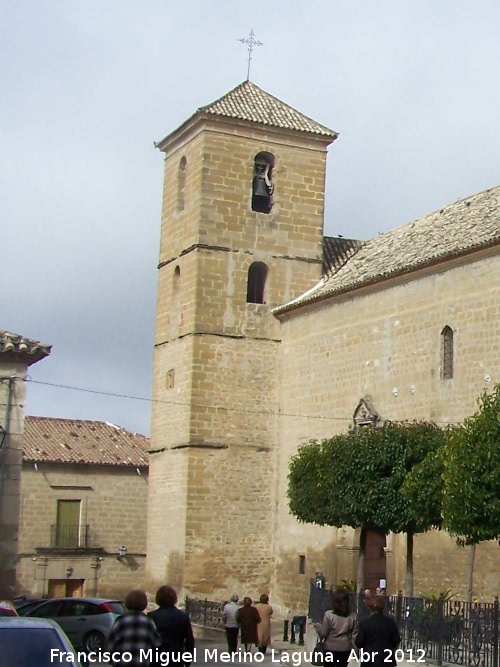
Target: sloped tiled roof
[
  {"x": 80, "y": 441},
  {"x": 465, "y": 226},
  {"x": 248, "y": 102},
  {"x": 337, "y": 251},
  {"x": 13, "y": 346}
]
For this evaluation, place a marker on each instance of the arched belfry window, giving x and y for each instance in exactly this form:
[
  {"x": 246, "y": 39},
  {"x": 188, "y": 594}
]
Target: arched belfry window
[
  {"x": 447, "y": 353},
  {"x": 181, "y": 184},
  {"x": 262, "y": 182},
  {"x": 257, "y": 274}
]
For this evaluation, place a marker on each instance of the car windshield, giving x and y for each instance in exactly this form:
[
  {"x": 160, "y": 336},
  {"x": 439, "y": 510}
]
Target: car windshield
[{"x": 31, "y": 647}]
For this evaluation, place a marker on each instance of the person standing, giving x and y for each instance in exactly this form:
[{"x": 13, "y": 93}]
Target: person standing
[
  {"x": 231, "y": 624},
  {"x": 378, "y": 635},
  {"x": 173, "y": 624},
  {"x": 133, "y": 632},
  {"x": 248, "y": 619},
  {"x": 338, "y": 629},
  {"x": 264, "y": 628}
]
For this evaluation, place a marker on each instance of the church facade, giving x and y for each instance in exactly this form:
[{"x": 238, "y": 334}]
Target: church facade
[{"x": 268, "y": 334}]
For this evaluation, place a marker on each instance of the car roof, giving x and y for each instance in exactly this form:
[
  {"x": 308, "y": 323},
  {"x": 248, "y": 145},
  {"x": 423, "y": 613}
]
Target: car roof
[{"x": 28, "y": 622}]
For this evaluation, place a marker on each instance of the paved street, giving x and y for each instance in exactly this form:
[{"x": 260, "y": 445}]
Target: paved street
[{"x": 213, "y": 652}]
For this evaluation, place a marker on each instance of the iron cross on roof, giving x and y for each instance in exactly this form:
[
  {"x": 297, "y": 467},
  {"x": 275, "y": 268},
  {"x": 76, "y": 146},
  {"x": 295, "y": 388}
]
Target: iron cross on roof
[{"x": 251, "y": 43}]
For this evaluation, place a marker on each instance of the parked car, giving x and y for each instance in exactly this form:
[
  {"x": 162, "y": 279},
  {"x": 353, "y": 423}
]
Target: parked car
[
  {"x": 23, "y": 604},
  {"x": 7, "y": 608},
  {"x": 28, "y": 642},
  {"x": 86, "y": 621}
]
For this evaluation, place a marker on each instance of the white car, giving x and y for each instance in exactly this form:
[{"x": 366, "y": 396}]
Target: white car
[{"x": 34, "y": 642}]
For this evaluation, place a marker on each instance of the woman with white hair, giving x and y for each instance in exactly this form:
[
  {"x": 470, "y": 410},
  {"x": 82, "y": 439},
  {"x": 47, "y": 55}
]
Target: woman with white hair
[{"x": 231, "y": 625}]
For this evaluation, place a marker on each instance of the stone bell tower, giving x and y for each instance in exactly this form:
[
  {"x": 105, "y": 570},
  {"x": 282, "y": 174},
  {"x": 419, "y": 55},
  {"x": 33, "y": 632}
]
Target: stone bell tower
[{"x": 242, "y": 232}]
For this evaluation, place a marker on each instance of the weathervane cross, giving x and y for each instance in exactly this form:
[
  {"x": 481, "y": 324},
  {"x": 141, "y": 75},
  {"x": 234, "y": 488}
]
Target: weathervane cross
[{"x": 251, "y": 43}]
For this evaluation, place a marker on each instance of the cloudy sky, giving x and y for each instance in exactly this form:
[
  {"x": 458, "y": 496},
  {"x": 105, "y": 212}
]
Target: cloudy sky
[{"x": 87, "y": 87}]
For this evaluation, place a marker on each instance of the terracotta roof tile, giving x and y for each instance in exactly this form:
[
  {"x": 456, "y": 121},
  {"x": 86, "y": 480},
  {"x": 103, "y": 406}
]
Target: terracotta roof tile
[
  {"x": 457, "y": 229},
  {"x": 80, "y": 441},
  {"x": 16, "y": 346}
]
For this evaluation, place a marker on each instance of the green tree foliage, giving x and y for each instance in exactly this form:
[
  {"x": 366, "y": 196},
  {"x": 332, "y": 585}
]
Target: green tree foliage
[
  {"x": 471, "y": 504},
  {"x": 357, "y": 480}
]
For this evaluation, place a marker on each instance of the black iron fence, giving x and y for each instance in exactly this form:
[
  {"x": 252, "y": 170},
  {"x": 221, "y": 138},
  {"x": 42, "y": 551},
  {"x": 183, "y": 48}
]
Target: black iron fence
[
  {"x": 205, "y": 612},
  {"x": 442, "y": 631}
]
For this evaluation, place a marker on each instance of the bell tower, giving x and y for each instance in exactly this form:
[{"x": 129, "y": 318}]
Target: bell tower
[{"x": 241, "y": 233}]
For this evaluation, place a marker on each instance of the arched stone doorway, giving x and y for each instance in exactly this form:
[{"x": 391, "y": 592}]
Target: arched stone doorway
[{"x": 375, "y": 560}]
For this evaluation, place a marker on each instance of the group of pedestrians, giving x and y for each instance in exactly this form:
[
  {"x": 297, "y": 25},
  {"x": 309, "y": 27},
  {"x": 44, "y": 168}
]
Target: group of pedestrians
[
  {"x": 254, "y": 621},
  {"x": 135, "y": 635},
  {"x": 374, "y": 640}
]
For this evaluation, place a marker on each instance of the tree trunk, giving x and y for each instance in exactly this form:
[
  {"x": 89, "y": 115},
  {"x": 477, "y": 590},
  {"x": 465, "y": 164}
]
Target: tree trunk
[
  {"x": 470, "y": 571},
  {"x": 409, "y": 564},
  {"x": 360, "y": 578}
]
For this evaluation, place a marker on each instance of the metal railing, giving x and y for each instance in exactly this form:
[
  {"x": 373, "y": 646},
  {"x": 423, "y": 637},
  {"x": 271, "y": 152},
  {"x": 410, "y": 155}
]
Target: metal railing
[
  {"x": 441, "y": 631},
  {"x": 69, "y": 536},
  {"x": 205, "y": 612}
]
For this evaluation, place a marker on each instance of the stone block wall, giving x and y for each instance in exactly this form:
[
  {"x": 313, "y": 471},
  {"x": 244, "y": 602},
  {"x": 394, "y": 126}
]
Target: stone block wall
[
  {"x": 385, "y": 341},
  {"x": 113, "y": 505}
]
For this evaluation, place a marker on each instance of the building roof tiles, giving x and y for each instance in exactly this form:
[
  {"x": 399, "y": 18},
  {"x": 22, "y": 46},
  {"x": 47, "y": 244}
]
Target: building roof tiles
[
  {"x": 48, "y": 439},
  {"x": 16, "y": 346},
  {"x": 460, "y": 228},
  {"x": 248, "y": 102}
]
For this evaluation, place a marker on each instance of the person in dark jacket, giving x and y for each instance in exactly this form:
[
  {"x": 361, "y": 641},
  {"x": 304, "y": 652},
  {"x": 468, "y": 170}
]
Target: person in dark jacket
[
  {"x": 248, "y": 617},
  {"x": 173, "y": 625},
  {"x": 378, "y": 636}
]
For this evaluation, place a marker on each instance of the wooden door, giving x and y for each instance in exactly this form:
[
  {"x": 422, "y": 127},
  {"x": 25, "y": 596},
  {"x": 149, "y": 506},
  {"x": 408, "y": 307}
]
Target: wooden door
[
  {"x": 57, "y": 588},
  {"x": 375, "y": 565},
  {"x": 66, "y": 588}
]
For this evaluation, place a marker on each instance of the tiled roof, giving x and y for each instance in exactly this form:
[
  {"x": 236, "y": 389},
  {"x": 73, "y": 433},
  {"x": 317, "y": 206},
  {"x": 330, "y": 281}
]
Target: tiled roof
[
  {"x": 78, "y": 441},
  {"x": 248, "y": 102},
  {"x": 13, "y": 346},
  {"x": 337, "y": 251},
  {"x": 457, "y": 229}
]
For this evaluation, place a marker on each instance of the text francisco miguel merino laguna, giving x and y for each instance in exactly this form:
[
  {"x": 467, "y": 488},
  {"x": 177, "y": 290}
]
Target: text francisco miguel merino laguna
[{"x": 157, "y": 657}]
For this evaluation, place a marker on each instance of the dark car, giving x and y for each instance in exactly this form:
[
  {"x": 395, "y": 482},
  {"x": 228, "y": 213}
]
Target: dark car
[
  {"x": 23, "y": 604},
  {"x": 34, "y": 642},
  {"x": 86, "y": 621}
]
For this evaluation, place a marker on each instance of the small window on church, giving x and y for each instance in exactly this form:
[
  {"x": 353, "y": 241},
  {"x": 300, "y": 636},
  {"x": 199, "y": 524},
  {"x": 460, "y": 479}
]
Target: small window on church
[
  {"x": 170, "y": 383},
  {"x": 181, "y": 184},
  {"x": 447, "y": 353},
  {"x": 257, "y": 274},
  {"x": 262, "y": 183},
  {"x": 302, "y": 564}
]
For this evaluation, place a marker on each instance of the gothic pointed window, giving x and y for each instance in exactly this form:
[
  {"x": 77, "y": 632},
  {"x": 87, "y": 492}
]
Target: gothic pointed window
[
  {"x": 257, "y": 274},
  {"x": 447, "y": 353},
  {"x": 181, "y": 184},
  {"x": 262, "y": 182}
]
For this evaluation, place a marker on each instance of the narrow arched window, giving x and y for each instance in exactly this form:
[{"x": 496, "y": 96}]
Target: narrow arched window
[
  {"x": 257, "y": 274},
  {"x": 175, "y": 314},
  {"x": 447, "y": 353},
  {"x": 181, "y": 184},
  {"x": 262, "y": 182}
]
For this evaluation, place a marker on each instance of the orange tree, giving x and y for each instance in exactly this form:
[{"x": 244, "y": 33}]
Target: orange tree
[
  {"x": 356, "y": 480},
  {"x": 471, "y": 459}
]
